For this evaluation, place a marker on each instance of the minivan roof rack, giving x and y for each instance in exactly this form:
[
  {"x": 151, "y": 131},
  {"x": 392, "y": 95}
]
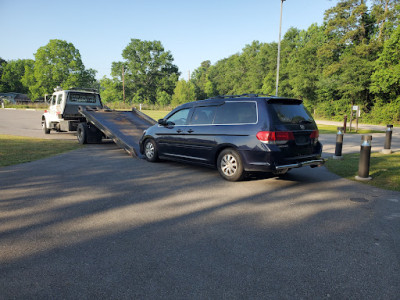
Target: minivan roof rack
[{"x": 241, "y": 96}]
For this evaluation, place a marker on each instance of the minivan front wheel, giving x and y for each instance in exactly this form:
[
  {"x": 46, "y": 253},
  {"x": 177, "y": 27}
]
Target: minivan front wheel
[
  {"x": 150, "y": 150},
  {"x": 229, "y": 165}
]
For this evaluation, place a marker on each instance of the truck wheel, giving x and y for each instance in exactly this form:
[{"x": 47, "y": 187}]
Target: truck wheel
[
  {"x": 44, "y": 126},
  {"x": 150, "y": 150},
  {"x": 82, "y": 133},
  {"x": 229, "y": 165}
]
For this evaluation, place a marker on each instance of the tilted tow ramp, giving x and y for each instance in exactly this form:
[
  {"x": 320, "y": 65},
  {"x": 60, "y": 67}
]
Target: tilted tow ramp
[{"x": 125, "y": 128}]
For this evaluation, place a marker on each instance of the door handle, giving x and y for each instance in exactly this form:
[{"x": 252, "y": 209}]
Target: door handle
[
  {"x": 179, "y": 131},
  {"x": 190, "y": 131}
]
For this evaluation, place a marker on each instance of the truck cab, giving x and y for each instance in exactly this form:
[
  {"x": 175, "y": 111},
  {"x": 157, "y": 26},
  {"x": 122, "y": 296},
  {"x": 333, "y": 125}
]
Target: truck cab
[{"x": 63, "y": 112}]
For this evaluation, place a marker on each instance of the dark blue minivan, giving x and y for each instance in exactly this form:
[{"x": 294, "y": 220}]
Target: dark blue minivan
[{"x": 237, "y": 134}]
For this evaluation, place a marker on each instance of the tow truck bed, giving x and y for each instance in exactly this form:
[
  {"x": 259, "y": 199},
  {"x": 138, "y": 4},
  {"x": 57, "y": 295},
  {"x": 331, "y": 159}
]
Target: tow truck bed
[{"x": 125, "y": 128}]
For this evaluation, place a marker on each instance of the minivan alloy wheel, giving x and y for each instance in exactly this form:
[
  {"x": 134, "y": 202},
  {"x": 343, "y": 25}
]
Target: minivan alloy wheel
[{"x": 149, "y": 150}]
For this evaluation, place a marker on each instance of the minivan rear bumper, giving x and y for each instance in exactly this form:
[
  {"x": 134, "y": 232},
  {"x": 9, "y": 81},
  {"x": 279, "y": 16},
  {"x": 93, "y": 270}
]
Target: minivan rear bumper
[
  {"x": 260, "y": 161},
  {"x": 311, "y": 163}
]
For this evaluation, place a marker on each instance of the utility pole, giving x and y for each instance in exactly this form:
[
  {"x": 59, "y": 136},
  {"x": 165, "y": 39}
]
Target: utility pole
[
  {"x": 123, "y": 83},
  {"x": 189, "y": 85},
  {"x": 279, "y": 51}
]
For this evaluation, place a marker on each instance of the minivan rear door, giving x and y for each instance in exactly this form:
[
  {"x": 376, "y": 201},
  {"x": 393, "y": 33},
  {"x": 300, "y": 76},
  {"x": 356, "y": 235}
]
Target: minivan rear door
[{"x": 291, "y": 115}]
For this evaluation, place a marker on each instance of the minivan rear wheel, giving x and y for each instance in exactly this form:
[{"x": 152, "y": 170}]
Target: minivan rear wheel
[{"x": 229, "y": 165}]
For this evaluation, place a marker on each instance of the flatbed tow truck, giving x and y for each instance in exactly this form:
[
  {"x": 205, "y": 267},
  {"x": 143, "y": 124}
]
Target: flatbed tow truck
[
  {"x": 81, "y": 110},
  {"x": 125, "y": 128}
]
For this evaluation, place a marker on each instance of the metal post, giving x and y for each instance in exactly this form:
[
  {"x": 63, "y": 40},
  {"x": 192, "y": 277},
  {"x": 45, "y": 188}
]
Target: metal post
[
  {"x": 388, "y": 140},
  {"x": 345, "y": 124},
  {"x": 351, "y": 120},
  {"x": 279, "y": 52},
  {"x": 365, "y": 157},
  {"x": 339, "y": 144}
]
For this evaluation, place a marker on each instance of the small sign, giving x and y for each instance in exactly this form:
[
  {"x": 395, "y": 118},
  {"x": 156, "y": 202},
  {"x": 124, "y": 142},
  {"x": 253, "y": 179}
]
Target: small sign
[{"x": 355, "y": 107}]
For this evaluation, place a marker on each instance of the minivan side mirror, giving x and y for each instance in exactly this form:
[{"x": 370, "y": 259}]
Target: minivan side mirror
[{"x": 164, "y": 122}]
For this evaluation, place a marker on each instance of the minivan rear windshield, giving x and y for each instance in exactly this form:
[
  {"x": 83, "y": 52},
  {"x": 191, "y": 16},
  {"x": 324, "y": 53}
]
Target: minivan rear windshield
[{"x": 291, "y": 112}]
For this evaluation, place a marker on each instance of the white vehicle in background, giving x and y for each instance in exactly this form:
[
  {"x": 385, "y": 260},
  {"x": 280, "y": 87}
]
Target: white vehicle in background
[{"x": 63, "y": 112}]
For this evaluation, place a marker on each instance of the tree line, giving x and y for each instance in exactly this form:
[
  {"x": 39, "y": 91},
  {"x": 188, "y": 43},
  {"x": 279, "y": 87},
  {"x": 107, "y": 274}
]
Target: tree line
[{"x": 353, "y": 58}]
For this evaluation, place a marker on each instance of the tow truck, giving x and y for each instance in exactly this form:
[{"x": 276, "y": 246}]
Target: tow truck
[{"x": 81, "y": 110}]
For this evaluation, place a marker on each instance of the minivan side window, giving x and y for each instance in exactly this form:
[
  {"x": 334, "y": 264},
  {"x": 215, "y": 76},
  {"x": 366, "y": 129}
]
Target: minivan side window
[
  {"x": 180, "y": 117},
  {"x": 237, "y": 113},
  {"x": 203, "y": 115}
]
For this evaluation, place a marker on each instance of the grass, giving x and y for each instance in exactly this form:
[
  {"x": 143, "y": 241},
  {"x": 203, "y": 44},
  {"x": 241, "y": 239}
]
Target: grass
[
  {"x": 384, "y": 169},
  {"x": 156, "y": 114},
  {"x": 16, "y": 149},
  {"x": 331, "y": 129}
]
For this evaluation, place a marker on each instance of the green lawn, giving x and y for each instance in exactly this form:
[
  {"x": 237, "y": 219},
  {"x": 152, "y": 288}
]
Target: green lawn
[
  {"x": 331, "y": 129},
  {"x": 16, "y": 149},
  {"x": 156, "y": 114},
  {"x": 384, "y": 169}
]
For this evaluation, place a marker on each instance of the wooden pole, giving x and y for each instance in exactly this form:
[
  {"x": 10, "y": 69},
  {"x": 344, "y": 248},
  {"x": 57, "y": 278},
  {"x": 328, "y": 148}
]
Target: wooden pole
[{"x": 123, "y": 83}]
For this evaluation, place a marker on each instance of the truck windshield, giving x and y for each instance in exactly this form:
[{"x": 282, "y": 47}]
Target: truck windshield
[{"x": 85, "y": 98}]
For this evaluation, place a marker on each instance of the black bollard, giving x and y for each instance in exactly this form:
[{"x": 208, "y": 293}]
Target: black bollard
[
  {"x": 388, "y": 140},
  {"x": 339, "y": 144},
  {"x": 365, "y": 157}
]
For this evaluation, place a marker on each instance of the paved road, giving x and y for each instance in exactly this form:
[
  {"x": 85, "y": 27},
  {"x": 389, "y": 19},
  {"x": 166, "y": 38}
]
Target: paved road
[
  {"x": 95, "y": 223},
  {"x": 27, "y": 123}
]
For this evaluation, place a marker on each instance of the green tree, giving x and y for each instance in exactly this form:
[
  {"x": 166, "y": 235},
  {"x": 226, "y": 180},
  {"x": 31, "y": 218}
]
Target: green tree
[
  {"x": 110, "y": 90},
  {"x": 200, "y": 80},
  {"x": 183, "y": 92},
  {"x": 3, "y": 63},
  {"x": 348, "y": 54},
  {"x": 12, "y": 74},
  {"x": 386, "y": 14},
  {"x": 148, "y": 69},
  {"x": 303, "y": 66},
  {"x": 386, "y": 76},
  {"x": 163, "y": 98},
  {"x": 57, "y": 64}
]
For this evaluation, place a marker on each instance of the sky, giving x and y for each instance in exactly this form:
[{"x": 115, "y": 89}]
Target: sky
[{"x": 193, "y": 31}]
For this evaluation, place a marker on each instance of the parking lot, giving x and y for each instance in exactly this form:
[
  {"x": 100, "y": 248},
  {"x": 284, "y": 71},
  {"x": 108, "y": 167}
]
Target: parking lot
[{"x": 97, "y": 223}]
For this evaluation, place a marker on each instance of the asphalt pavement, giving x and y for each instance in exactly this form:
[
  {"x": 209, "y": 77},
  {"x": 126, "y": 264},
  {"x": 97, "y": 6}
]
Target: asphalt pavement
[{"x": 97, "y": 223}]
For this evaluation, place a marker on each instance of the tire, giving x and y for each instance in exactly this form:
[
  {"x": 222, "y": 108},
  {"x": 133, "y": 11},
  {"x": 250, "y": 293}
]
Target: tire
[
  {"x": 229, "y": 165},
  {"x": 44, "y": 126},
  {"x": 150, "y": 150},
  {"x": 82, "y": 133}
]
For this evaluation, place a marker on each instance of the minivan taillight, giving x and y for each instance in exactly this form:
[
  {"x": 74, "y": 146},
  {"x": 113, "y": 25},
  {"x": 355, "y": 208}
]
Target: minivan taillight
[
  {"x": 314, "y": 134},
  {"x": 275, "y": 137}
]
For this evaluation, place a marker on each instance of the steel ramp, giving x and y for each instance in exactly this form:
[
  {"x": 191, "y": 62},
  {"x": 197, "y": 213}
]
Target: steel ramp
[{"x": 125, "y": 128}]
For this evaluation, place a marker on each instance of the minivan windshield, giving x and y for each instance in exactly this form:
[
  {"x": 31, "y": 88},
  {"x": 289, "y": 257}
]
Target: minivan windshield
[{"x": 293, "y": 113}]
